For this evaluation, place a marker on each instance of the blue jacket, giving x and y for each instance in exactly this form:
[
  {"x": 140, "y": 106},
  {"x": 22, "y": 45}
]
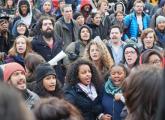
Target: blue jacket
[
  {"x": 89, "y": 109},
  {"x": 131, "y": 25},
  {"x": 112, "y": 107}
]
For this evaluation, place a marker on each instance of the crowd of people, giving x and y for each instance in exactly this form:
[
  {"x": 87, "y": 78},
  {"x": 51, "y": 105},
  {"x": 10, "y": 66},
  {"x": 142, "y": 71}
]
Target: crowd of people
[{"x": 82, "y": 59}]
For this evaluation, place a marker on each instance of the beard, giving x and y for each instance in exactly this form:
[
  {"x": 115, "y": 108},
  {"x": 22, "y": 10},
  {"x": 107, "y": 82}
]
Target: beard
[{"x": 47, "y": 34}]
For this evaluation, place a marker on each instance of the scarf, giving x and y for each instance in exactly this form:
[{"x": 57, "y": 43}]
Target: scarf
[
  {"x": 110, "y": 88},
  {"x": 90, "y": 90}
]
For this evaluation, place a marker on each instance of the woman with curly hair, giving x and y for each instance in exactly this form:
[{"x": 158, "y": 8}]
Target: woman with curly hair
[
  {"x": 97, "y": 52},
  {"x": 47, "y": 85},
  {"x": 19, "y": 50},
  {"x": 82, "y": 88}
]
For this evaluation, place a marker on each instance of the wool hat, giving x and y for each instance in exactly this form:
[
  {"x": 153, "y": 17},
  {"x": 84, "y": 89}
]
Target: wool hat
[
  {"x": 10, "y": 68},
  {"x": 160, "y": 19},
  {"x": 4, "y": 16},
  {"x": 76, "y": 15},
  {"x": 134, "y": 46},
  {"x": 43, "y": 70}
]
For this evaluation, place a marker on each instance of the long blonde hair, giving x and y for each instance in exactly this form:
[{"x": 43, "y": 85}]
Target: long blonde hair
[{"x": 13, "y": 50}]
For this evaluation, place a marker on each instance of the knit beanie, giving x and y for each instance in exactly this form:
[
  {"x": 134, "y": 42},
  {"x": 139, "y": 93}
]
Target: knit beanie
[
  {"x": 76, "y": 15},
  {"x": 10, "y": 68},
  {"x": 43, "y": 70},
  {"x": 135, "y": 47},
  {"x": 160, "y": 19},
  {"x": 4, "y": 16}
]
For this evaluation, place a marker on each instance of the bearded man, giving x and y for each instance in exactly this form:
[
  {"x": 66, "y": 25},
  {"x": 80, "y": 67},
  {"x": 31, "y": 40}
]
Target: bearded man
[{"x": 47, "y": 43}]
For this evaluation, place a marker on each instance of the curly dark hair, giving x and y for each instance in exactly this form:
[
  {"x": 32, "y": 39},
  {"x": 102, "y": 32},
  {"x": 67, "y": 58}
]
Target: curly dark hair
[
  {"x": 45, "y": 17},
  {"x": 42, "y": 92},
  {"x": 72, "y": 72},
  {"x": 37, "y": 27}
]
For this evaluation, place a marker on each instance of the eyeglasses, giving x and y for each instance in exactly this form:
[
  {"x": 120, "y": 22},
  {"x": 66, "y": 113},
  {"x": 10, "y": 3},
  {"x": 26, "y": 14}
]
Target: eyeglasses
[
  {"x": 129, "y": 52},
  {"x": 155, "y": 61}
]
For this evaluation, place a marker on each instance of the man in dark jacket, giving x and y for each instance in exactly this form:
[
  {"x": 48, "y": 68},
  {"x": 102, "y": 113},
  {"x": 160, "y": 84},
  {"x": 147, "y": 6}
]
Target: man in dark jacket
[
  {"x": 47, "y": 43},
  {"x": 5, "y": 36}
]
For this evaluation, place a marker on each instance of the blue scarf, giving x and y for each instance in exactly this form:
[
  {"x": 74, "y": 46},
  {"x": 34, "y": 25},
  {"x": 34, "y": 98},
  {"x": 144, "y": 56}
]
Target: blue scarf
[{"x": 110, "y": 88}]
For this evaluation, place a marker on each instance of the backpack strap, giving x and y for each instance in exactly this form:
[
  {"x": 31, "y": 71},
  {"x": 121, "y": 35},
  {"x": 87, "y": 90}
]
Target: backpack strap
[{"x": 77, "y": 48}]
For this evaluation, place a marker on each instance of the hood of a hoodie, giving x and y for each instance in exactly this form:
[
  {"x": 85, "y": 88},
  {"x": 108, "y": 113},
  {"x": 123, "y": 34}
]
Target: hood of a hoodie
[
  {"x": 90, "y": 31},
  {"x": 28, "y": 18},
  {"x": 114, "y": 7},
  {"x": 52, "y": 10},
  {"x": 14, "y": 29},
  {"x": 19, "y": 7},
  {"x": 85, "y": 2}
]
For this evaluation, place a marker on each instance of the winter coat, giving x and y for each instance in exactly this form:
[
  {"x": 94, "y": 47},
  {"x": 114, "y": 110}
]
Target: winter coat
[
  {"x": 5, "y": 44},
  {"x": 156, "y": 47},
  {"x": 111, "y": 106},
  {"x": 71, "y": 48},
  {"x": 97, "y": 30},
  {"x": 19, "y": 59},
  {"x": 31, "y": 98},
  {"x": 42, "y": 48},
  {"x": 63, "y": 31},
  {"x": 161, "y": 38},
  {"x": 103, "y": 29},
  {"x": 132, "y": 27},
  {"x": 89, "y": 109}
]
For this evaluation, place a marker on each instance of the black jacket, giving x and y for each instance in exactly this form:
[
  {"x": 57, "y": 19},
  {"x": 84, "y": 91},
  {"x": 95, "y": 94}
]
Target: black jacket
[
  {"x": 89, "y": 109},
  {"x": 42, "y": 48}
]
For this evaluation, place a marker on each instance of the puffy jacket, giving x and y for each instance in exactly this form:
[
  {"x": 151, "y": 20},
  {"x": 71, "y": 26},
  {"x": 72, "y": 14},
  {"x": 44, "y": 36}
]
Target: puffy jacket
[{"x": 131, "y": 25}]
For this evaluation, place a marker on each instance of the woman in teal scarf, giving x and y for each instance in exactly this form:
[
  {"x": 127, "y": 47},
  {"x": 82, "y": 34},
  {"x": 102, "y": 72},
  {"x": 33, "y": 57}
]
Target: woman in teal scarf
[{"x": 112, "y": 99}]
